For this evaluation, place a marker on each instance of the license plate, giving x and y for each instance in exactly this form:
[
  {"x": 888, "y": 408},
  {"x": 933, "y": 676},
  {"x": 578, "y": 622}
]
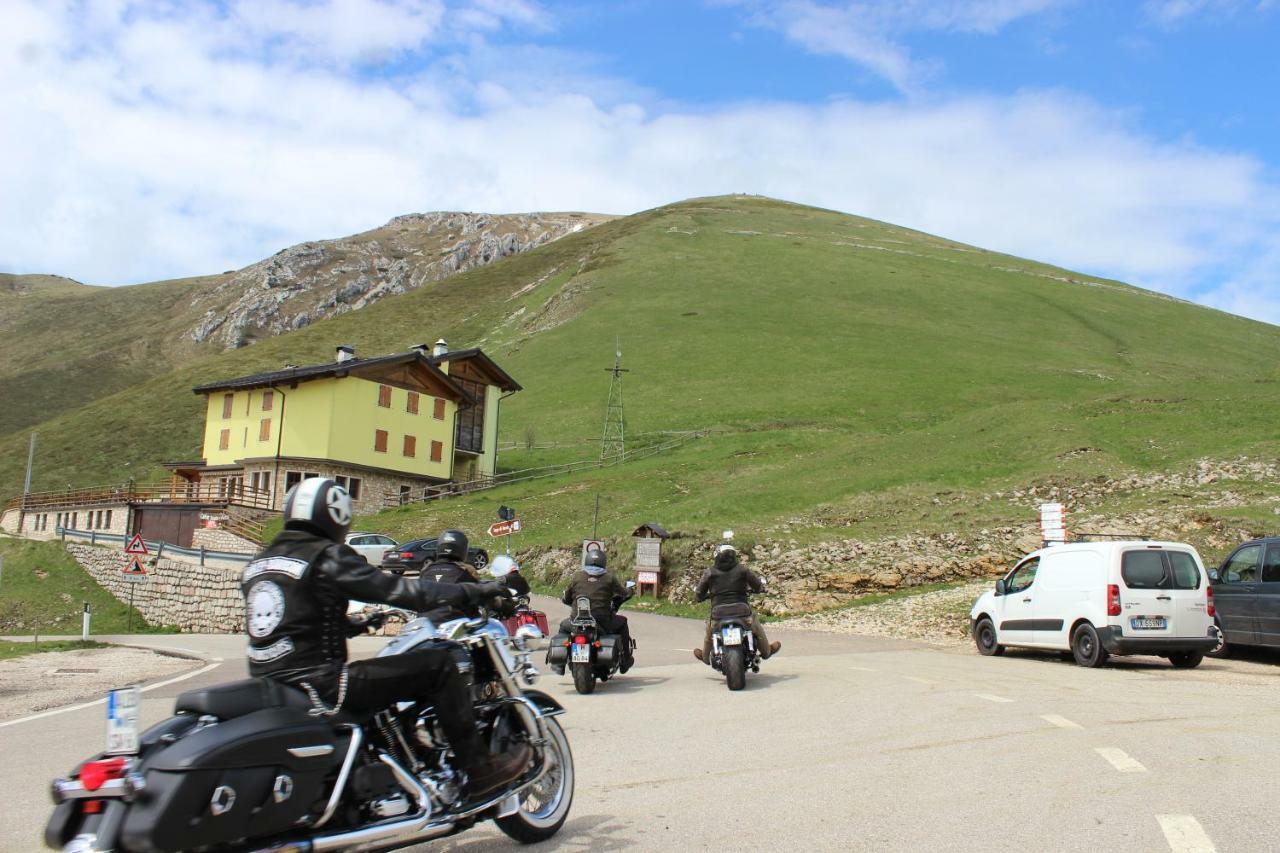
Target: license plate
[
  {"x": 581, "y": 653},
  {"x": 1141, "y": 622},
  {"x": 733, "y": 636},
  {"x": 122, "y": 721}
]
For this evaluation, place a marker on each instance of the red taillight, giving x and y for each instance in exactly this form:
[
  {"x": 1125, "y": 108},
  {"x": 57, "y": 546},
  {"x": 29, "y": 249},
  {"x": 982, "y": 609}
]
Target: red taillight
[
  {"x": 1209, "y": 592},
  {"x": 1113, "y": 599},
  {"x": 580, "y": 640},
  {"x": 406, "y": 555},
  {"x": 92, "y": 806},
  {"x": 94, "y": 773}
]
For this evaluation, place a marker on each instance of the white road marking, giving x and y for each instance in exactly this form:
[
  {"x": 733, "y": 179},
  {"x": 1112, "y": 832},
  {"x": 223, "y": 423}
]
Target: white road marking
[
  {"x": 863, "y": 669},
  {"x": 992, "y": 698},
  {"x": 1185, "y": 834},
  {"x": 215, "y": 663},
  {"x": 918, "y": 680},
  {"x": 1120, "y": 760},
  {"x": 1060, "y": 722}
]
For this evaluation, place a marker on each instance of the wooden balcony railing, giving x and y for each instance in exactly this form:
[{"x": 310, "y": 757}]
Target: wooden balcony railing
[{"x": 203, "y": 493}]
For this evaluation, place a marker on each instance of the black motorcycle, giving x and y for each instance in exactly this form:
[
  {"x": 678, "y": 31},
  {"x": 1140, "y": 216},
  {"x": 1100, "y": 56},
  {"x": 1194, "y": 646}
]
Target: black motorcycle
[
  {"x": 733, "y": 645},
  {"x": 589, "y": 654},
  {"x": 247, "y": 766}
]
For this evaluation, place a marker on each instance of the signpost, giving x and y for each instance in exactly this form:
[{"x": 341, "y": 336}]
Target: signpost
[
  {"x": 1053, "y": 523},
  {"x": 134, "y": 572},
  {"x": 504, "y": 528}
]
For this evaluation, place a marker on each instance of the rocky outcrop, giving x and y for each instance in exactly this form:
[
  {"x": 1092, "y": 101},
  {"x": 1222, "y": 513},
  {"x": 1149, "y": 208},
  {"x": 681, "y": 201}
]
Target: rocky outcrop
[{"x": 315, "y": 280}]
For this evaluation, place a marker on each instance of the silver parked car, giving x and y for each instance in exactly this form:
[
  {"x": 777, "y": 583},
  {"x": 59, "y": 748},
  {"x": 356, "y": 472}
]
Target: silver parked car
[{"x": 372, "y": 546}]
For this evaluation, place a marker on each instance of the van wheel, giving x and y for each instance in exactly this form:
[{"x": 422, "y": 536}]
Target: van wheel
[
  {"x": 1222, "y": 649},
  {"x": 984, "y": 637},
  {"x": 1186, "y": 660},
  {"x": 1087, "y": 648}
]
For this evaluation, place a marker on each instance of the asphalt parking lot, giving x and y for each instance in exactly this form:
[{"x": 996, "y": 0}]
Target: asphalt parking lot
[{"x": 848, "y": 743}]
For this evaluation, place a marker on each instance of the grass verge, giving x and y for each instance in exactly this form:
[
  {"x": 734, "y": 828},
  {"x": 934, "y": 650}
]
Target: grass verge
[{"x": 10, "y": 649}]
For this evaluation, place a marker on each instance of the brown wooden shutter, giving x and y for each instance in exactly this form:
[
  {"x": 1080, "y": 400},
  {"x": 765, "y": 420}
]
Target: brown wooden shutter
[
  {"x": 224, "y": 439},
  {"x": 411, "y": 403},
  {"x": 268, "y": 400},
  {"x": 228, "y": 400},
  {"x": 410, "y": 445},
  {"x": 264, "y": 429},
  {"x": 437, "y": 451},
  {"x": 384, "y": 396},
  {"x": 380, "y": 440},
  {"x": 438, "y": 413}
]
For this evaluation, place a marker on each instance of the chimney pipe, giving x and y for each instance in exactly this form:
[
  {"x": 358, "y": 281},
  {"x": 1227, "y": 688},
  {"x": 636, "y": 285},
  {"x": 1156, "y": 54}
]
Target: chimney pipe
[
  {"x": 346, "y": 352},
  {"x": 441, "y": 348}
]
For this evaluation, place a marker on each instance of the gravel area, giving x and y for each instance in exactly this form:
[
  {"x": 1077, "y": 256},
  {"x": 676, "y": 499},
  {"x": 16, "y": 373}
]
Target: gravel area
[
  {"x": 940, "y": 618},
  {"x": 47, "y": 680}
]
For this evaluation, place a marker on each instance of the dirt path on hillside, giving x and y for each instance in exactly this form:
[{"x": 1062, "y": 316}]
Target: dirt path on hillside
[{"x": 38, "y": 682}]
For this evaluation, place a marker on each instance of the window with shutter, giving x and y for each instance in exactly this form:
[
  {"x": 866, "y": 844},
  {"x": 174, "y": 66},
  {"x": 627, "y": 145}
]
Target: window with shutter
[
  {"x": 410, "y": 445},
  {"x": 384, "y": 396},
  {"x": 224, "y": 439},
  {"x": 411, "y": 403},
  {"x": 380, "y": 440},
  {"x": 264, "y": 429},
  {"x": 437, "y": 451},
  {"x": 438, "y": 414},
  {"x": 268, "y": 400},
  {"x": 228, "y": 401}
]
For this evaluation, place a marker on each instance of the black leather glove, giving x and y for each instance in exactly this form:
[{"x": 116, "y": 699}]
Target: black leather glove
[
  {"x": 480, "y": 591},
  {"x": 375, "y": 620}
]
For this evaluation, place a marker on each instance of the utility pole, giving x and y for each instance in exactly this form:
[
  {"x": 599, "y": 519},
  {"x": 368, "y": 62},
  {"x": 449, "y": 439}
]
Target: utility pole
[
  {"x": 613, "y": 442},
  {"x": 31, "y": 455}
]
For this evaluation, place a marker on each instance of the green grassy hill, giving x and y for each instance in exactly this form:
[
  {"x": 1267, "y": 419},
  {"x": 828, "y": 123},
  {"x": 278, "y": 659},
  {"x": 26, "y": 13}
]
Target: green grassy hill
[{"x": 839, "y": 363}]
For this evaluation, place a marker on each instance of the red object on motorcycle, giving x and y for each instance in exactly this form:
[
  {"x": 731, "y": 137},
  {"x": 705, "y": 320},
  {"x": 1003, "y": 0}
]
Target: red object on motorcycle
[
  {"x": 580, "y": 640},
  {"x": 92, "y": 806},
  {"x": 94, "y": 773}
]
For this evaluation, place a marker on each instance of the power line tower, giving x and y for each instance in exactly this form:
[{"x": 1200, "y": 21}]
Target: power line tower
[{"x": 614, "y": 440}]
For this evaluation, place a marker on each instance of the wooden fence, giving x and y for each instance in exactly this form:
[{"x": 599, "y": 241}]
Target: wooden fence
[{"x": 210, "y": 493}]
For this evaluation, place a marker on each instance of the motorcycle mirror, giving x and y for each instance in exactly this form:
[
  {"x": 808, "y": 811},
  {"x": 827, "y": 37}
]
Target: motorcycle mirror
[
  {"x": 514, "y": 592},
  {"x": 529, "y": 632},
  {"x": 631, "y": 584},
  {"x": 728, "y": 534}
]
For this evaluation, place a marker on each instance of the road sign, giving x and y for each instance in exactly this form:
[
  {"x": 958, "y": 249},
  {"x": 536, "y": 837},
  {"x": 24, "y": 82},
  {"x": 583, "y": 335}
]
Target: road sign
[
  {"x": 1053, "y": 522},
  {"x": 136, "y": 545},
  {"x": 133, "y": 570},
  {"x": 504, "y": 528}
]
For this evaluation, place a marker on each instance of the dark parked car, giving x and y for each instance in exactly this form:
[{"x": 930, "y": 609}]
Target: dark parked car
[
  {"x": 416, "y": 553},
  {"x": 1246, "y": 596}
]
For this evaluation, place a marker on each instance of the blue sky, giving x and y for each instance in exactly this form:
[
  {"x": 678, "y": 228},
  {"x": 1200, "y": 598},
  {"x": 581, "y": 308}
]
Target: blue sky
[{"x": 1137, "y": 140}]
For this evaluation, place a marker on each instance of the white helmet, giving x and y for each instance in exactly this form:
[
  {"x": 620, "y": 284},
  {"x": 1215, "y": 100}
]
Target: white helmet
[{"x": 502, "y": 566}]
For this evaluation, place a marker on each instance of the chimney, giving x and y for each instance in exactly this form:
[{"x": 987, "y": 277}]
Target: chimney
[
  {"x": 423, "y": 350},
  {"x": 441, "y": 348},
  {"x": 346, "y": 352}
]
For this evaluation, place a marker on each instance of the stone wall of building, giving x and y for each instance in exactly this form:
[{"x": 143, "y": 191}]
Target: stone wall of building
[
  {"x": 377, "y": 491},
  {"x": 189, "y": 597},
  {"x": 43, "y": 524},
  {"x": 217, "y": 539}
]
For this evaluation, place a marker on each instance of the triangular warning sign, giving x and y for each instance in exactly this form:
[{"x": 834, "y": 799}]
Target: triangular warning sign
[
  {"x": 135, "y": 566},
  {"x": 136, "y": 545}
]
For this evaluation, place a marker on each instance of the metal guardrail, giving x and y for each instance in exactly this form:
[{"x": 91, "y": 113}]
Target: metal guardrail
[{"x": 158, "y": 547}]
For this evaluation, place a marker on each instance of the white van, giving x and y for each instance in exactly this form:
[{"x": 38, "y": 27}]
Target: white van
[{"x": 1097, "y": 599}]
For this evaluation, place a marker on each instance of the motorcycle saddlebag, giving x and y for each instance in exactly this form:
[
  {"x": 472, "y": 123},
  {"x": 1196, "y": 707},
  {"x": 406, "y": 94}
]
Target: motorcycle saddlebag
[
  {"x": 258, "y": 775},
  {"x": 557, "y": 651},
  {"x": 610, "y": 651}
]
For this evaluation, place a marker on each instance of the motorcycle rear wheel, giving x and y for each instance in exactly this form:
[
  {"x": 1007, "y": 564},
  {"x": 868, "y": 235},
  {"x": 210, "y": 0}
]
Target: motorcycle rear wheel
[
  {"x": 544, "y": 805},
  {"x": 584, "y": 679},
  {"x": 735, "y": 668}
]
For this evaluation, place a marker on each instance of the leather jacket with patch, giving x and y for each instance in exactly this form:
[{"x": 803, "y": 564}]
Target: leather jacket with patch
[
  {"x": 450, "y": 572},
  {"x": 600, "y": 589},
  {"x": 727, "y": 582},
  {"x": 296, "y": 594}
]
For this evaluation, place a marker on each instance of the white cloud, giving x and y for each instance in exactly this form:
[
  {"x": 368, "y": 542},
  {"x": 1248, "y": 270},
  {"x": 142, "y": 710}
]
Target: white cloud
[
  {"x": 869, "y": 32},
  {"x": 1173, "y": 12},
  {"x": 152, "y": 153}
]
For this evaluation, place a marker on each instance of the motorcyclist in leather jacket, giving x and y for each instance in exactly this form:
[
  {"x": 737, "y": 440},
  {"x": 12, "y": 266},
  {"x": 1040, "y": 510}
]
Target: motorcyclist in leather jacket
[
  {"x": 728, "y": 583},
  {"x": 447, "y": 567},
  {"x": 605, "y": 593},
  {"x": 296, "y": 595}
]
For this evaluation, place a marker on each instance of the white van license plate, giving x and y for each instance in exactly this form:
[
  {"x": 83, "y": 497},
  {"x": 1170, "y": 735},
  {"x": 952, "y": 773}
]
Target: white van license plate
[
  {"x": 1140, "y": 622},
  {"x": 581, "y": 653}
]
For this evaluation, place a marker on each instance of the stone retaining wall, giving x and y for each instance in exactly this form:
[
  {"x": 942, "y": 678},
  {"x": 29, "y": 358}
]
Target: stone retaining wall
[{"x": 192, "y": 598}]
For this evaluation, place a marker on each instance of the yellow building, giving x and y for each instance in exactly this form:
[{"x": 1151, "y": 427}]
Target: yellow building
[{"x": 391, "y": 428}]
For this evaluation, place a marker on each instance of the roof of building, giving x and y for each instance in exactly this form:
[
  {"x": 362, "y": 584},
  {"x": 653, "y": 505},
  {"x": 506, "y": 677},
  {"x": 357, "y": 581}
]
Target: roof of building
[
  {"x": 365, "y": 367},
  {"x": 476, "y": 356}
]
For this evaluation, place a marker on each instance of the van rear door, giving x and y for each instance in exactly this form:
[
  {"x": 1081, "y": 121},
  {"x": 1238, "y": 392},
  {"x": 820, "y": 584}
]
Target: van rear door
[
  {"x": 1189, "y": 587},
  {"x": 1147, "y": 601}
]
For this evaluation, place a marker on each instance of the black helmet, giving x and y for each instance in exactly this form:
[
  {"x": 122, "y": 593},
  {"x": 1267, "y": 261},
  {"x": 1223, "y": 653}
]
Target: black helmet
[
  {"x": 318, "y": 505},
  {"x": 452, "y": 545},
  {"x": 595, "y": 560}
]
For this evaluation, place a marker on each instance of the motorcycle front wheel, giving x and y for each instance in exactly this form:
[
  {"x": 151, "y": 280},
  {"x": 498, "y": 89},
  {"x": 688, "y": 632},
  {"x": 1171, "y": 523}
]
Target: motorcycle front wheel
[
  {"x": 584, "y": 678},
  {"x": 735, "y": 668},
  {"x": 544, "y": 805}
]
